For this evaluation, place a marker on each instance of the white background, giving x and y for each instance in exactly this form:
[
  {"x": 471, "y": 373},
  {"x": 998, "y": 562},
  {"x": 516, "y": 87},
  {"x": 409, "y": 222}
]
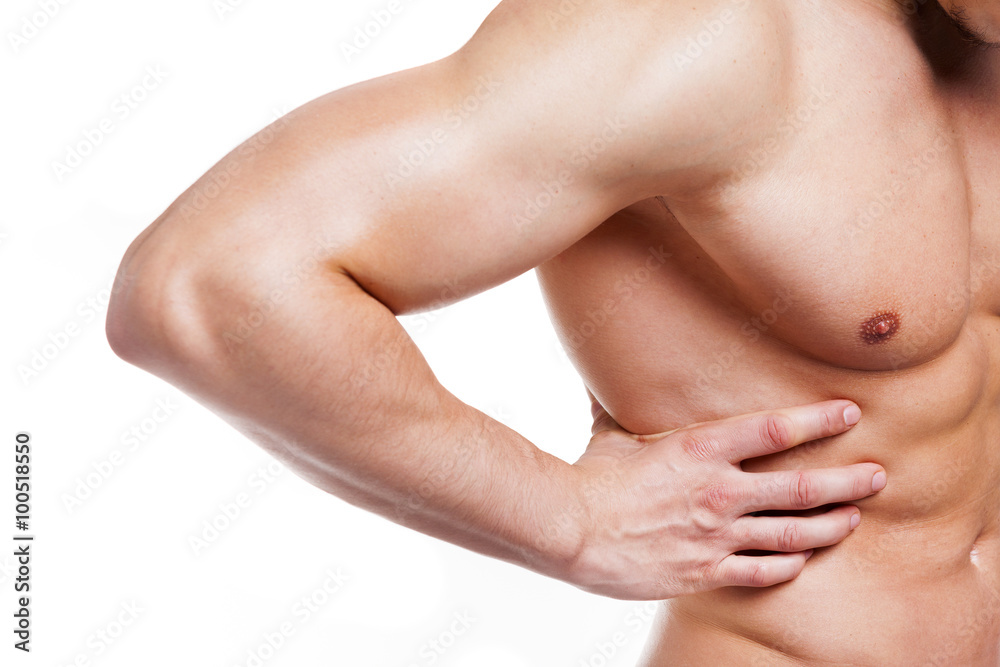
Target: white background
[{"x": 227, "y": 70}]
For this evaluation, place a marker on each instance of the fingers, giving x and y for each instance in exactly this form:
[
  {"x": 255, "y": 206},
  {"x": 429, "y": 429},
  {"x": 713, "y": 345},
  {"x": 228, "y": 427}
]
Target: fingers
[
  {"x": 791, "y": 534},
  {"x": 796, "y": 536},
  {"x": 805, "y": 489},
  {"x": 760, "y": 571},
  {"x": 749, "y": 436}
]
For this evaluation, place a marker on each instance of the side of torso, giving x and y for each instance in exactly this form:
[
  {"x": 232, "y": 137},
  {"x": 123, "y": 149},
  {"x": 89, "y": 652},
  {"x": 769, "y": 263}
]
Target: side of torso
[{"x": 853, "y": 252}]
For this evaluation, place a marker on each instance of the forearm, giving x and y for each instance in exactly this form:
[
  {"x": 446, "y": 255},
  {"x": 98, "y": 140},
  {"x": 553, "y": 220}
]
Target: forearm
[{"x": 332, "y": 385}]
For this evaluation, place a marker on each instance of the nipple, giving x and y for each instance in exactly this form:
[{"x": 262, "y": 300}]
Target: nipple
[{"x": 880, "y": 327}]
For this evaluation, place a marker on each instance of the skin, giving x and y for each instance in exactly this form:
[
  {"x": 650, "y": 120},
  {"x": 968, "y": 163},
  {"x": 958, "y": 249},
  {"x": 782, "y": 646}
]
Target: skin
[
  {"x": 981, "y": 17},
  {"x": 798, "y": 214}
]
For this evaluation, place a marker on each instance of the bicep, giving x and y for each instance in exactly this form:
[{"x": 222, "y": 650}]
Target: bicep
[
  {"x": 479, "y": 168},
  {"x": 435, "y": 183}
]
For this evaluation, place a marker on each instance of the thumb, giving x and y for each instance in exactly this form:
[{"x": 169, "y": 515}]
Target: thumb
[{"x": 602, "y": 420}]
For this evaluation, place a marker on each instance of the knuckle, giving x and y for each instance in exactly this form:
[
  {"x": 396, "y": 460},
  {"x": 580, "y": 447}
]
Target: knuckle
[
  {"x": 717, "y": 498},
  {"x": 713, "y": 574},
  {"x": 703, "y": 576},
  {"x": 827, "y": 423},
  {"x": 803, "y": 491},
  {"x": 757, "y": 573},
  {"x": 777, "y": 431},
  {"x": 698, "y": 446},
  {"x": 790, "y": 537}
]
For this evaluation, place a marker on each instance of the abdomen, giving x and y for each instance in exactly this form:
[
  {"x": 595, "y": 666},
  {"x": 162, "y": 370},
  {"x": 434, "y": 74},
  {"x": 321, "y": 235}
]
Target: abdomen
[{"x": 663, "y": 344}]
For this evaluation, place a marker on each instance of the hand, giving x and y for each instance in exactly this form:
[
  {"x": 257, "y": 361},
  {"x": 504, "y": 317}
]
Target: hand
[{"x": 666, "y": 514}]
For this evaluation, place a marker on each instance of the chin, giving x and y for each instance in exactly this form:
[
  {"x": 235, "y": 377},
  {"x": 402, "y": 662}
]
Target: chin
[{"x": 980, "y": 18}]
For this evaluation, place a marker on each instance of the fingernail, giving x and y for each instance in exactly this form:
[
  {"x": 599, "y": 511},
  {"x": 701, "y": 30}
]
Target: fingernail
[
  {"x": 809, "y": 553},
  {"x": 878, "y": 481},
  {"x": 852, "y": 415},
  {"x": 855, "y": 521}
]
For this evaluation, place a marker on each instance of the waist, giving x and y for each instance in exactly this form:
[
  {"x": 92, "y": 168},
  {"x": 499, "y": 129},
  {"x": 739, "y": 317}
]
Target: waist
[
  {"x": 918, "y": 582},
  {"x": 921, "y": 592}
]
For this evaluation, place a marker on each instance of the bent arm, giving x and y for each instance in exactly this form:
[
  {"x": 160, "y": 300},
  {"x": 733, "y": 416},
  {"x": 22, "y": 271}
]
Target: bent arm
[{"x": 269, "y": 289}]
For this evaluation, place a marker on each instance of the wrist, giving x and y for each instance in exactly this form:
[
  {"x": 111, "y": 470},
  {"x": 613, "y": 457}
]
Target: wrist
[
  {"x": 571, "y": 534},
  {"x": 592, "y": 566},
  {"x": 558, "y": 537}
]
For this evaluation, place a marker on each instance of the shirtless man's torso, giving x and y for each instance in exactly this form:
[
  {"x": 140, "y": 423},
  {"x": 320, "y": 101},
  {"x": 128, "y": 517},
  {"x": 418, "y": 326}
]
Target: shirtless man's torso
[
  {"x": 855, "y": 253},
  {"x": 734, "y": 206}
]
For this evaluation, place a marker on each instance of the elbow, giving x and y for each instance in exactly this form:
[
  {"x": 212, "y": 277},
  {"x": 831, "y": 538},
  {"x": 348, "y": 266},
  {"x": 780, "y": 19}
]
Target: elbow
[
  {"x": 154, "y": 316},
  {"x": 193, "y": 302},
  {"x": 126, "y": 309},
  {"x": 116, "y": 326},
  {"x": 132, "y": 321}
]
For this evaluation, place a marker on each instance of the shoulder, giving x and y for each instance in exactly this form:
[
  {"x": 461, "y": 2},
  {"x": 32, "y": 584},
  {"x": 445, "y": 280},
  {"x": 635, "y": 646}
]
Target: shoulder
[{"x": 690, "y": 82}]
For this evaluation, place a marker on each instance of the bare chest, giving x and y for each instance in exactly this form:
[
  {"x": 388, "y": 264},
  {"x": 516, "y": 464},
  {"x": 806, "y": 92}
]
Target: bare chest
[
  {"x": 876, "y": 225},
  {"x": 861, "y": 233}
]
